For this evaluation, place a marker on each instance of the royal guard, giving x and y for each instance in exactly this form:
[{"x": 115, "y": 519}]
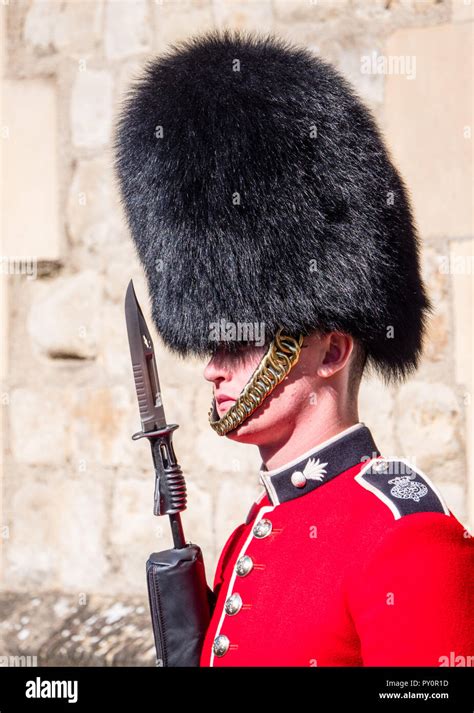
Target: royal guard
[{"x": 278, "y": 241}]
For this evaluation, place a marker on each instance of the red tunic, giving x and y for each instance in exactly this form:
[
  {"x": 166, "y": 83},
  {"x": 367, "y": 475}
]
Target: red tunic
[{"x": 341, "y": 570}]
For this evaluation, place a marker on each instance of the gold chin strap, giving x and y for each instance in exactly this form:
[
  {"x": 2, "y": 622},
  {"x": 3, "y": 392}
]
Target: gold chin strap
[{"x": 280, "y": 357}]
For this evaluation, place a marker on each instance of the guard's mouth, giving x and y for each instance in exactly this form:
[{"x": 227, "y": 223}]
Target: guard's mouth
[{"x": 225, "y": 405}]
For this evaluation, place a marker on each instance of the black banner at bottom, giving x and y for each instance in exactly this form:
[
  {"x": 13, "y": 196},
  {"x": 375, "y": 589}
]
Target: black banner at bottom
[{"x": 56, "y": 689}]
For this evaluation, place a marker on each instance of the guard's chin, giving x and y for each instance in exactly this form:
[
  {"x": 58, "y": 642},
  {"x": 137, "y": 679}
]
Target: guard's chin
[{"x": 248, "y": 432}]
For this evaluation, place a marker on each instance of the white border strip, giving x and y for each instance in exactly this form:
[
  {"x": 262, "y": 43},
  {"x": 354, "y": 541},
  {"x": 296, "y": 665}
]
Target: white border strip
[
  {"x": 267, "y": 481},
  {"x": 261, "y": 496},
  {"x": 314, "y": 450},
  {"x": 389, "y": 503},
  {"x": 261, "y": 513}
]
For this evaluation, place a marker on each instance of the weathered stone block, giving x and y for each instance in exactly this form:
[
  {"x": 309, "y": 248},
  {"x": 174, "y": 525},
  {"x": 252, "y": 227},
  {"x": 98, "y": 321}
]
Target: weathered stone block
[
  {"x": 91, "y": 108},
  {"x": 127, "y": 29},
  {"x": 433, "y": 149},
  {"x": 65, "y": 323}
]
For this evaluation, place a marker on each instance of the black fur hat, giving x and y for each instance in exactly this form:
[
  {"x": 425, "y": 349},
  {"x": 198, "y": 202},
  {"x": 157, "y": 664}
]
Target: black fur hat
[{"x": 258, "y": 190}]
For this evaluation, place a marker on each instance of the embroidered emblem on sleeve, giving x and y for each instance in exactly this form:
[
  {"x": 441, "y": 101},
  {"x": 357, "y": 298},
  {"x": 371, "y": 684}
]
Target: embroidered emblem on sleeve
[{"x": 403, "y": 488}]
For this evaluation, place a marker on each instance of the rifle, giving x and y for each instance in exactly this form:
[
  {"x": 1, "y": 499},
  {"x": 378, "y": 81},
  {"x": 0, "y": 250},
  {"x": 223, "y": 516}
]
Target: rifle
[{"x": 181, "y": 603}]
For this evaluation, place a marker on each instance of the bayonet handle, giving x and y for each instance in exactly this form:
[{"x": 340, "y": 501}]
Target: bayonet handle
[{"x": 170, "y": 486}]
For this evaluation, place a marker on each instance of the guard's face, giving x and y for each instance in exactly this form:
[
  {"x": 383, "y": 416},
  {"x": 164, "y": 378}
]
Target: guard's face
[{"x": 229, "y": 373}]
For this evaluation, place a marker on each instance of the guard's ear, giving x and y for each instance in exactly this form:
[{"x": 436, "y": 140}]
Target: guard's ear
[{"x": 336, "y": 352}]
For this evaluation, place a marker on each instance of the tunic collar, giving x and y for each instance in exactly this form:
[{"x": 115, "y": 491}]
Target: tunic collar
[{"x": 319, "y": 465}]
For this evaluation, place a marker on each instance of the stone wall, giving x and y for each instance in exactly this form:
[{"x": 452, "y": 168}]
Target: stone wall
[{"x": 77, "y": 523}]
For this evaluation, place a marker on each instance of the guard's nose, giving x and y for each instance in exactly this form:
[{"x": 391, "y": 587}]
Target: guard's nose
[{"x": 216, "y": 370}]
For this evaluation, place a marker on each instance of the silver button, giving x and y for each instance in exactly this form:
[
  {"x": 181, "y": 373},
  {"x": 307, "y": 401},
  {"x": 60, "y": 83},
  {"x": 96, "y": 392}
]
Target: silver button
[
  {"x": 298, "y": 479},
  {"x": 221, "y": 645},
  {"x": 381, "y": 467},
  {"x": 262, "y": 528},
  {"x": 233, "y": 604},
  {"x": 244, "y": 565}
]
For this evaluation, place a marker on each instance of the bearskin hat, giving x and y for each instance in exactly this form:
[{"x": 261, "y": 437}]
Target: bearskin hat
[{"x": 258, "y": 190}]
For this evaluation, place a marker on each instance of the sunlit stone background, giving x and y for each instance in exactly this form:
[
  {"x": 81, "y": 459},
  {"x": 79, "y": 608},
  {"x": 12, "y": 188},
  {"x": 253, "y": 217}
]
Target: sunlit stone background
[{"x": 77, "y": 523}]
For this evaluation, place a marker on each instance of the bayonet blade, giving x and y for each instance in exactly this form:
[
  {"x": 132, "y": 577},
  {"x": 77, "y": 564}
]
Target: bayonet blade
[{"x": 147, "y": 384}]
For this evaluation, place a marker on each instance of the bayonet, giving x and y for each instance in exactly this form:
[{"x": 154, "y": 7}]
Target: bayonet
[{"x": 170, "y": 486}]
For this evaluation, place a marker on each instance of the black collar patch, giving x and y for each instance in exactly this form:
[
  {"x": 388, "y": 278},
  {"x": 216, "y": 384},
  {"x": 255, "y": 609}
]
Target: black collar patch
[
  {"x": 320, "y": 465},
  {"x": 403, "y": 488}
]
